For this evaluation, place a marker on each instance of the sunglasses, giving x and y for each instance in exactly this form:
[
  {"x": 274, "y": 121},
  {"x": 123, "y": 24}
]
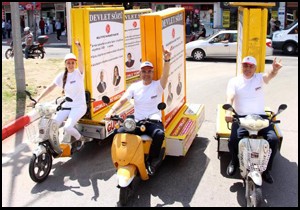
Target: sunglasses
[
  {"x": 245, "y": 65},
  {"x": 147, "y": 72}
]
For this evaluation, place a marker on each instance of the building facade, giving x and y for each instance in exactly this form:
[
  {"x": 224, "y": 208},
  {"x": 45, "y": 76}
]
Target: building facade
[{"x": 217, "y": 15}]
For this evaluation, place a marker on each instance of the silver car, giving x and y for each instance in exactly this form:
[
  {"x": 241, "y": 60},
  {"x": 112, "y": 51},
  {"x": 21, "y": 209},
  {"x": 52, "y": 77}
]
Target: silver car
[{"x": 221, "y": 44}]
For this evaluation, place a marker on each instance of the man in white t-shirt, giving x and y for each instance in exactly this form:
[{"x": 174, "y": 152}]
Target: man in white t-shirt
[
  {"x": 147, "y": 94},
  {"x": 245, "y": 93}
]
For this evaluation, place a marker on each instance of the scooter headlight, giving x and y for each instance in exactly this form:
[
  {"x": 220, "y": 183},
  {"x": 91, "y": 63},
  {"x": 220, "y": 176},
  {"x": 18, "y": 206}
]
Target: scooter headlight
[
  {"x": 129, "y": 124},
  {"x": 143, "y": 128}
]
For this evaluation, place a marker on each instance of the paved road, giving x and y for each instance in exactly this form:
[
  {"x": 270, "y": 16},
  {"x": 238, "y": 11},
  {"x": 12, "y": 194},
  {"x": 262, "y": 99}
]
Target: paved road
[{"x": 198, "y": 179}]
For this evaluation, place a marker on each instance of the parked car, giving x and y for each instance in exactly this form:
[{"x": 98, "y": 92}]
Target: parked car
[
  {"x": 286, "y": 39},
  {"x": 221, "y": 44}
]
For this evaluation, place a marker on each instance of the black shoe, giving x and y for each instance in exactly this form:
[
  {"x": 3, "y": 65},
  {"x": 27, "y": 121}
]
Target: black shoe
[
  {"x": 267, "y": 177},
  {"x": 150, "y": 169},
  {"x": 231, "y": 168}
]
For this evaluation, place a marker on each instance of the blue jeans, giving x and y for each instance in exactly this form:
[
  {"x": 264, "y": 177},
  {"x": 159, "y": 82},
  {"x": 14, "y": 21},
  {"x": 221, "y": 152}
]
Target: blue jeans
[{"x": 26, "y": 51}]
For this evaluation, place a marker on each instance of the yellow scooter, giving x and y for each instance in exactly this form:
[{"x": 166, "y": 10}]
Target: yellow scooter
[{"x": 129, "y": 152}]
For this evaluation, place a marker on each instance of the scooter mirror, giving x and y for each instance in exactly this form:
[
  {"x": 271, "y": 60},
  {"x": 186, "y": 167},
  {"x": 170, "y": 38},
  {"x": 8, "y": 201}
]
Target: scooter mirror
[
  {"x": 69, "y": 99},
  {"x": 161, "y": 106},
  {"x": 281, "y": 108},
  {"x": 105, "y": 99}
]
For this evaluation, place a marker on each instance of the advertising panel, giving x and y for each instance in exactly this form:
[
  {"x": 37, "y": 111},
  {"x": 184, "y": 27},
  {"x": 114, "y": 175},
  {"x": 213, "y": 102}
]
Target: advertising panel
[
  {"x": 101, "y": 32},
  {"x": 173, "y": 39},
  {"x": 107, "y": 56},
  {"x": 133, "y": 42},
  {"x": 166, "y": 29}
]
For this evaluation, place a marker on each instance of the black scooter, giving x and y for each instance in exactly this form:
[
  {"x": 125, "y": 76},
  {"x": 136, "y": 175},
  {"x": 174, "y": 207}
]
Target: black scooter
[{"x": 36, "y": 51}]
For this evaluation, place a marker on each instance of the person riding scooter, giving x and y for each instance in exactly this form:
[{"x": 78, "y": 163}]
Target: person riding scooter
[
  {"x": 147, "y": 93},
  {"x": 246, "y": 93},
  {"x": 28, "y": 41},
  {"x": 71, "y": 80}
]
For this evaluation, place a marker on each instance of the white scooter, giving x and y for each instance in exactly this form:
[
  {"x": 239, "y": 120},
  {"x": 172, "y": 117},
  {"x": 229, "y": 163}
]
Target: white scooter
[
  {"x": 46, "y": 134},
  {"x": 253, "y": 152}
]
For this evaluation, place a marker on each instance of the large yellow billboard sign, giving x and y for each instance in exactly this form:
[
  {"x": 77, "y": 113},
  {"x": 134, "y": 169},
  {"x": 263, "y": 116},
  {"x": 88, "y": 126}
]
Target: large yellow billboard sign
[
  {"x": 167, "y": 28},
  {"x": 133, "y": 42},
  {"x": 101, "y": 30}
]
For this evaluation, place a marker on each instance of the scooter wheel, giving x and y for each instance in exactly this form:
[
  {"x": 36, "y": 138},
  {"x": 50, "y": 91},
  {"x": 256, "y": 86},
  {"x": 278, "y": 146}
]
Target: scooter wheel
[
  {"x": 40, "y": 167},
  {"x": 125, "y": 193},
  {"x": 9, "y": 54},
  {"x": 255, "y": 195},
  {"x": 37, "y": 53}
]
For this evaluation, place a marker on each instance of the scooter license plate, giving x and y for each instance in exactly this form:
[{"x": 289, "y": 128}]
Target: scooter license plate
[{"x": 254, "y": 155}]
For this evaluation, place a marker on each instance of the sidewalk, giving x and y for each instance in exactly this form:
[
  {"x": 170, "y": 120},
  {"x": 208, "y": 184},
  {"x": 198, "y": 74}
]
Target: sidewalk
[{"x": 52, "y": 42}]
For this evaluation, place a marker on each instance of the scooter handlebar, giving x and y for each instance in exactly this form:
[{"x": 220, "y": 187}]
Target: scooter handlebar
[{"x": 115, "y": 118}]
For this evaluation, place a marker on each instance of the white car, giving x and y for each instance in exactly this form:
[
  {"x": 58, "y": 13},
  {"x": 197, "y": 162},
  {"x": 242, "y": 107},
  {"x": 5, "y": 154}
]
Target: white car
[{"x": 217, "y": 46}]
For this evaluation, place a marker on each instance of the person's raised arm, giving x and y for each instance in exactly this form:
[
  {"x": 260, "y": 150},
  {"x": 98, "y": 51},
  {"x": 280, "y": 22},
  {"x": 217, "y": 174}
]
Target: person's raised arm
[
  {"x": 80, "y": 57},
  {"x": 271, "y": 74},
  {"x": 166, "y": 68}
]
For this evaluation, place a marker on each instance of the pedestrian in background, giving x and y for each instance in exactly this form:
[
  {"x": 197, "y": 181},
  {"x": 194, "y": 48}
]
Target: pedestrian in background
[
  {"x": 3, "y": 29},
  {"x": 272, "y": 25},
  {"x": 277, "y": 24},
  {"x": 42, "y": 26},
  {"x": 22, "y": 24},
  {"x": 8, "y": 28},
  {"x": 202, "y": 30},
  {"x": 58, "y": 29},
  {"x": 188, "y": 25}
]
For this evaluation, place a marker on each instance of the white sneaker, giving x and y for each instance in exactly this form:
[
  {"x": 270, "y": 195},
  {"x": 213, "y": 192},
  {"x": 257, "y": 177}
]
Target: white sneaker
[{"x": 77, "y": 145}]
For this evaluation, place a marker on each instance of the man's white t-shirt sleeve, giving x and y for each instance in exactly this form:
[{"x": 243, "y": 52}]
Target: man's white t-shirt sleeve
[{"x": 231, "y": 87}]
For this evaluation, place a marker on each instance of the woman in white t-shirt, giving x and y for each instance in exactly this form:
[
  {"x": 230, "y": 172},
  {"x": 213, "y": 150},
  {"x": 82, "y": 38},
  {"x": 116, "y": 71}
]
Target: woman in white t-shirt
[{"x": 72, "y": 83}]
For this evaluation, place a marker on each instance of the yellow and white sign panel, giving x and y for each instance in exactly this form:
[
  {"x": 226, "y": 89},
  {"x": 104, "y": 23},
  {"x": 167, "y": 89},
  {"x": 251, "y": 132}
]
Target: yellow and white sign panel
[
  {"x": 166, "y": 28},
  {"x": 133, "y": 42},
  {"x": 102, "y": 30}
]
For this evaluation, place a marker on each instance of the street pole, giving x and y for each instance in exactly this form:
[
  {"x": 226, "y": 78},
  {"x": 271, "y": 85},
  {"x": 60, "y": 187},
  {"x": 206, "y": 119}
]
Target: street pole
[
  {"x": 17, "y": 48},
  {"x": 34, "y": 33},
  {"x": 19, "y": 63},
  {"x": 69, "y": 32}
]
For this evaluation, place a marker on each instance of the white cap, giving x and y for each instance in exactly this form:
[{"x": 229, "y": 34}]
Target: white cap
[
  {"x": 249, "y": 60},
  {"x": 146, "y": 63},
  {"x": 26, "y": 29},
  {"x": 70, "y": 56}
]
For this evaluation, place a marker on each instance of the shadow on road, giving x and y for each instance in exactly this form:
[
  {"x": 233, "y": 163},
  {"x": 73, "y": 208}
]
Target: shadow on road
[
  {"x": 177, "y": 178},
  {"x": 279, "y": 194},
  {"x": 81, "y": 168}
]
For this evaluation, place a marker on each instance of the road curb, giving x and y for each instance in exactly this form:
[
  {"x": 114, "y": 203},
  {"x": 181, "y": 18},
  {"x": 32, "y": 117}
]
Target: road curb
[{"x": 15, "y": 126}]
